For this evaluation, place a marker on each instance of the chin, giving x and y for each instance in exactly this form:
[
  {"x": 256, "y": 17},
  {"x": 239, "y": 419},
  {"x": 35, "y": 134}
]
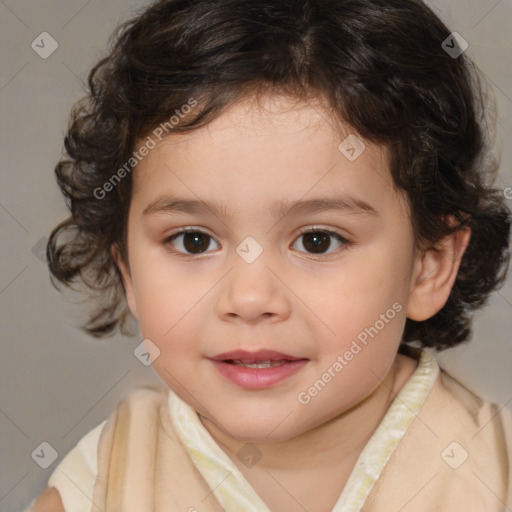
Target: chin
[
  {"x": 263, "y": 431},
  {"x": 259, "y": 436}
]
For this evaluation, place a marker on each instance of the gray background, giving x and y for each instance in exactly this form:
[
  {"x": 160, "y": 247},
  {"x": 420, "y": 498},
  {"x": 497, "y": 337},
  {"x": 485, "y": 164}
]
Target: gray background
[{"x": 57, "y": 383}]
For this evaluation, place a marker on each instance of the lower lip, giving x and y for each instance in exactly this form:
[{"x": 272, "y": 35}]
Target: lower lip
[{"x": 258, "y": 378}]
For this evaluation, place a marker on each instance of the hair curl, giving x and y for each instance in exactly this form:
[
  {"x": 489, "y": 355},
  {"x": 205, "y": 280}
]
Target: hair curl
[{"x": 382, "y": 68}]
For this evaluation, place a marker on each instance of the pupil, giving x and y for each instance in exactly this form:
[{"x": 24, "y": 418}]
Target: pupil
[
  {"x": 312, "y": 242},
  {"x": 198, "y": 241},
  {"x": 316, "y": 239}
]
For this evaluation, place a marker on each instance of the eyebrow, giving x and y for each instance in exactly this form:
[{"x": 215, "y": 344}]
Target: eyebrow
[{"x": 345, "y": 204}]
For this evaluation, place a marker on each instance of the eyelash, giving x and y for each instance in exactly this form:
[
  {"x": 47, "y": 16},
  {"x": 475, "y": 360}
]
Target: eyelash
[{"x": 167, "y": 241}]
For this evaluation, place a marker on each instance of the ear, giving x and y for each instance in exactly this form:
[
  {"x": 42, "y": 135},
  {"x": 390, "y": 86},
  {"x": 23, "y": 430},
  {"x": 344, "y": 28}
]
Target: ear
[
  {"x": 127, "y": 278},
  {"x": 435, "y": 273}
]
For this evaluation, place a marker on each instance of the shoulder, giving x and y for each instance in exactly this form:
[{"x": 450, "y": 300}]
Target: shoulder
[
  {"x": 48, "y": 501},
  {"x": 458, "y": 397},
  {"x": 456, "y": 404},
  {"x": 74, "y": 479},
  {"x": 70, "y": 486},
  {"x": 458, "y": 444},
  {"x": 477, "y": 430}
]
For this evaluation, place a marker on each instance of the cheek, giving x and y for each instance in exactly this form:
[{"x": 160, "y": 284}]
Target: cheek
[
  {"x": 364, "y": 308},
  {"x": 176, "y": 328},
  {"x": 357, "y": 296},
  {"x": 359, "y": 356},
  {"x": 164, "y": 314},
  {"x": 173, "y": 318},
  {"x": 164, "y": 293}
]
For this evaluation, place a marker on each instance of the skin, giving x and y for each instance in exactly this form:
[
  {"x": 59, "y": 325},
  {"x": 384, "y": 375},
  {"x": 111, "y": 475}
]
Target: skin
[
  {"x": 48, "y": 501},
  {"x": 194, "y": 306}
]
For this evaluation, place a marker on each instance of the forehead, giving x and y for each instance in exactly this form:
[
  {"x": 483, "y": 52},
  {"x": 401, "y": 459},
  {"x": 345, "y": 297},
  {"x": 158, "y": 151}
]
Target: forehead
[{"x": 268, "y": 147}]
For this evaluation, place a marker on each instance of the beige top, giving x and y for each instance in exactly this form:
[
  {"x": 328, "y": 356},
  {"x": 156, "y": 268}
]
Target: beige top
[{"x": 439, "y": 447}]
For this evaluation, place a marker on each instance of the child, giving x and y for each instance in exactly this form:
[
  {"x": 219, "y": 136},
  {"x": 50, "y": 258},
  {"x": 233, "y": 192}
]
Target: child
[{"x": 293, "y": 199}]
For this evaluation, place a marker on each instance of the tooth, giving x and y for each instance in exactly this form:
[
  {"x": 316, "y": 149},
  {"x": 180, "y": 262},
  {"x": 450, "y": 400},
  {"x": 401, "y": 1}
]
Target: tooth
[{"x": 259, "y": 364}]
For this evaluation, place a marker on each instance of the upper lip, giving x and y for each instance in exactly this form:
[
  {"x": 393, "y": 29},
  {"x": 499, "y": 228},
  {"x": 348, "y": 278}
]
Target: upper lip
[{"x": 252, "y": 357}]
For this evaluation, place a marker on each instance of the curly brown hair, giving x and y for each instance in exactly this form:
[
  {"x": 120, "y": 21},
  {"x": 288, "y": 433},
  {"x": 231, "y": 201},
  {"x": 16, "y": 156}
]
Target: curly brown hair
[{"x": 382, "y": 66}]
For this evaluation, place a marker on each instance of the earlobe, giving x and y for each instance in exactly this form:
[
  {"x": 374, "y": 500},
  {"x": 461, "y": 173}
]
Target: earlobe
[
  {"x": 127, "y": 279},
  {"x": 434, "y": 275}
]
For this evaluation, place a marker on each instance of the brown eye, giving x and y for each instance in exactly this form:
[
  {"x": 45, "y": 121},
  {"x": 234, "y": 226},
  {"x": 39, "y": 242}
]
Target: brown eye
[
  {"x": 319, "y": 241},
  {"x": 190, "y": 242}
]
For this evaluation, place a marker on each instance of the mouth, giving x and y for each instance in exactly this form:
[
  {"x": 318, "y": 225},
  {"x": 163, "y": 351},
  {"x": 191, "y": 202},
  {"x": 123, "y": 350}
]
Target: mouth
[
  {"x": 257, "y": 370},
  {"x": 260, "y": 356},
  {"x": 257, "y": 364}
]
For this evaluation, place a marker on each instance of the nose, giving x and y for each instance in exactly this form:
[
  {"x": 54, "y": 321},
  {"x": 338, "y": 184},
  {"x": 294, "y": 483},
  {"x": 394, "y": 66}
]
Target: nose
[{"x": 253, "y": 293}]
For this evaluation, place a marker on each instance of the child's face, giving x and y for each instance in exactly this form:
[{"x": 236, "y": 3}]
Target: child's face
[{"x": 290, "y": 299}]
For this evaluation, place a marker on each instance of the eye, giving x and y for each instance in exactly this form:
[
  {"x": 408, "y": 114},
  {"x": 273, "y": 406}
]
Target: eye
[
  {"x": 192, "y": 241},
  {"x": 318, "y": 241},
  {"x": 189, "y": 241}
]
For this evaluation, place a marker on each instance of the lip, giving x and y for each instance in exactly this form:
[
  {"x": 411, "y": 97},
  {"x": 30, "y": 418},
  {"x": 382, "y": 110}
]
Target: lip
[
  {"x": 251, "y": 357},
  {"x": 257, "y": 378}
]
